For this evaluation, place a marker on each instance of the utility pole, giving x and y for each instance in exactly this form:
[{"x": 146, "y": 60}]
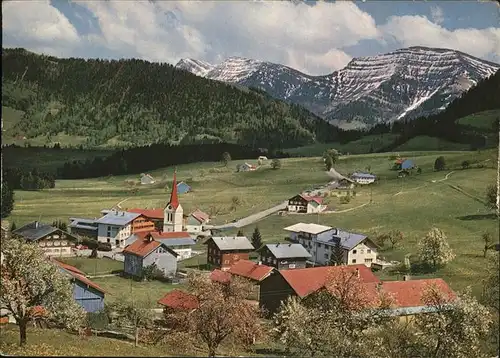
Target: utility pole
[{"x": 371, "y": 194}]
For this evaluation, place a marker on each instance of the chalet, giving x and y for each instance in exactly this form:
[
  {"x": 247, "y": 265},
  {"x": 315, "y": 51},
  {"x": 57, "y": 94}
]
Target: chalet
[
  {"x": 195, "y": 221},
  {"x": 280, "y": 285},
  {"x": 320, "y": 241},
  {"x": 180, "y": 242},
  {"x": 305, "y": 204},
  {"x": 183, "y": 188},
  {"x": 153, "y": 215},
  {"x": 83, "y": 227},
  {"x": 224, "y": 251},
  {"x": 147, "y": 179},
  {"x": 178, "y": 300},
  {"x": 145, "y": 252},
  {"x": 115, "y": 226},
  {"x": 262, "y": 157},
  {"x": 53, "y": 241},
  {"x": 86, "y": 293},
  {"x": 363, "y": 178},
  {"x": 284, "y": 256}
]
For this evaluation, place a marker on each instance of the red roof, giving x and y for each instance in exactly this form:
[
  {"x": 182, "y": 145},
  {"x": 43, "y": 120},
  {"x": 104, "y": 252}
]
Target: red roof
[
  {"x": 141, "y": 247},
  {"x": 220, "y": 276},
  {"x": 200, "y": 216},
  {"x": 409, "y": 293},
  {"x": 178, "y": 299},
  {"x": 149, "y": 213},
  {"x": 400, "y": 160},
  {"x": 79, "y": 275},
  {"x": 309, "y": 280},
  {"x": 170, "y": 235},
  {"x": 174, "y": 199},
  {"x": 317, "y": 199},
  {"x": 249, "y": 269}
]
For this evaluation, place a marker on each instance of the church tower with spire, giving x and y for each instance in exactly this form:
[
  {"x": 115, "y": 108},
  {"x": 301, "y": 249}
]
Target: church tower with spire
[{"x": 173, "y": 213}]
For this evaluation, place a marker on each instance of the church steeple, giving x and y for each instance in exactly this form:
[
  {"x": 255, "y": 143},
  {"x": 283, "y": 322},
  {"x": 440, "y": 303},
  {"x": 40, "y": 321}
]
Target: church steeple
[{"x": 174, "y": 199}]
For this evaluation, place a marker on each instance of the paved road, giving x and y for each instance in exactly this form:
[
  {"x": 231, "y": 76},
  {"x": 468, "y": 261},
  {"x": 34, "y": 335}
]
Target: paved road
[{"x": 252, "y": 218}]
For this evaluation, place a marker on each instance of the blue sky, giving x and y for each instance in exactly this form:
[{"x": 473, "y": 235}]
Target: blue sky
[{"x": 316, "y": 37}]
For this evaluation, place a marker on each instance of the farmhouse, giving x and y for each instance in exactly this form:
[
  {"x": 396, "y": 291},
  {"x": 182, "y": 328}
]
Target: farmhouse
[
  {"x": 183, "y": 188},
  {"x": 180, "y": 242},
  {"x": 363, "y": 178},
  {"x": 222, "y": 252},
  {"x": 86, "y": 293},
  {"x": 83, "y": 227},
  {"x": 53, "y": 241},
  {"x": 320, "y": 241},
  {"x": 145, "y": 252},
  {"x": 147, "y": 179},
  {"x": 195, "y": 221},
  {"x": 262, "y": 157},
  {"x": 280, "y": 285},
  {"x": 284, "y": 256},
  {"x": 116, "y": 226},
  {"x": 305, "y": 204}
]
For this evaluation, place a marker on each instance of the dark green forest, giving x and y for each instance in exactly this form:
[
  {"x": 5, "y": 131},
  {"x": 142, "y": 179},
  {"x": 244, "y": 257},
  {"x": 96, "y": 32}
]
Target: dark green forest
[{"x": 140, "y": 103}]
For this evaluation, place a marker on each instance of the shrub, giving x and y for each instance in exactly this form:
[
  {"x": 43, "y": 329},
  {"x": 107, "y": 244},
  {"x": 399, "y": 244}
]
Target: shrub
[
  {"x": 440, "y": 163},
  {"x": 345, "y": 199},
  {"x": 97, "y": 320},
  {"x": 104, "y": 246}
]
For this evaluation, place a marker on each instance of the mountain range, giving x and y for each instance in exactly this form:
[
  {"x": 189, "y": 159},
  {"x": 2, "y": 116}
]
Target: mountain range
[{"x": 404, "y": 84}]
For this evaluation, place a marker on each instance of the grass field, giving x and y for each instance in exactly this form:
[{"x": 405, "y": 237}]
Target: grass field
[
  {"x": 94, "y": 266},
  {"x": 482, "y": 120},
  {"x": 359, "y": 146},
  {"x": 421, "y": 205},
  {"x": 431, "y": 143}
]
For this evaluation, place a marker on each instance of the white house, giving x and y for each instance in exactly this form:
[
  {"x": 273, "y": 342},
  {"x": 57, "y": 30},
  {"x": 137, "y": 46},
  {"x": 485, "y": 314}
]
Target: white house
[
  {"x": 196, "y": 220},
  {"x": 305, "y": 204},
  {"x": 115, "y": 227},
  {"x": 320, "y": 240},
  {"x": 147, "y": 179},
  {"x": 363, "y": 178}
]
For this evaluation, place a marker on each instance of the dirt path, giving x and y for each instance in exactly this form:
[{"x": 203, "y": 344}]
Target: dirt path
[
  {"x": 426, "y": 184},
  {"x": 252, "y": 218},
  {"x": 346, "y": 210}
]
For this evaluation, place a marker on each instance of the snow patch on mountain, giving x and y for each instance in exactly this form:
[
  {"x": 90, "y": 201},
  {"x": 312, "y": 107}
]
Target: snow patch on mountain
[{"x": 402, "y": 84}]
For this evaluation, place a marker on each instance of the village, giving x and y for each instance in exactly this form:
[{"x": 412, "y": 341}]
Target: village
[{"x": 159, "y": 238}]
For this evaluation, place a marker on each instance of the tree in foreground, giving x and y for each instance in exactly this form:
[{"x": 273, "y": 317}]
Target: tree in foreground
[
  {"x": 32, "y": 285},
  {"x": 491, "y": 197},
  {"x": 256, "y": 239},
  {"x": 134, "y": 313},
  {"x": 331, "y": 322},
  {"x": 488, "y": 240},
  {"x": 328, "y": 161},
  {"x": 7, "y": 199},
  {"x": 240, "y": 233},
  {"x": 434, "y": 250},
  {"x": 337, "y": 255},
  {"x": 223, "y": 312},
  {"x": 491, "y": 298},
  {"x": 276, "y": 164},
  {"x": 393, "y": 236}
]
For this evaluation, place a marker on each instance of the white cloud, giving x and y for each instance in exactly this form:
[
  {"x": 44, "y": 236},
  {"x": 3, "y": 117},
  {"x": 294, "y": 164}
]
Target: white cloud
[
  {"x": 313, "y": 39},
  {"x": 437, "y": 15},
  {"x": 484, "y": 43},
  {"x": 38, "y": 25}
]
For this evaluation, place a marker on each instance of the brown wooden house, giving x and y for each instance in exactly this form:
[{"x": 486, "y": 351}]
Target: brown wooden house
[
  {"x": 284, "y": 256},
  {"x": 224, "y": 251},
  {"x": 53, "y": 241}
]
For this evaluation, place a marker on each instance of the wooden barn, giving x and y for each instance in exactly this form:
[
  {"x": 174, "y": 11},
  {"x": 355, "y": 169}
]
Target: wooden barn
[{"x": 223, "y": 252}]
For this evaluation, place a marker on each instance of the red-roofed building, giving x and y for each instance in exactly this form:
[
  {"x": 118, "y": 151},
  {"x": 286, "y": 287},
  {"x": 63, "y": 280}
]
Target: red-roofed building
[
  {"x": 306, "y": 204},
  {"x": 220, "y": 276},
  {"x": 178, "y": 300},
  {"x": 280, "y": 285},
  {"x": 145, "y": 252},
  {"x": 195, "y": 221},
  {"x": 250, "y": 270}
]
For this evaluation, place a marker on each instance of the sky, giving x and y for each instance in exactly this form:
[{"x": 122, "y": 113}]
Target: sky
[{"x": 314, "y": 37}]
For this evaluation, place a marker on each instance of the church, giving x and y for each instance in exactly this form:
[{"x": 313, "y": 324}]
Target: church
[{"x": 173, "y": 214}]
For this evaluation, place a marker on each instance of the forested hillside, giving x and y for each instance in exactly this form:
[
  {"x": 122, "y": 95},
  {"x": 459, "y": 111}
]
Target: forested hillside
[{"x": 134, "y": 102}]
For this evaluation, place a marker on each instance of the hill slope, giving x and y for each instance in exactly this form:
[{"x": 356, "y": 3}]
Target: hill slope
[
  {"x": 406, "y": 83},
  {"x": 134, "y": 102}
]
